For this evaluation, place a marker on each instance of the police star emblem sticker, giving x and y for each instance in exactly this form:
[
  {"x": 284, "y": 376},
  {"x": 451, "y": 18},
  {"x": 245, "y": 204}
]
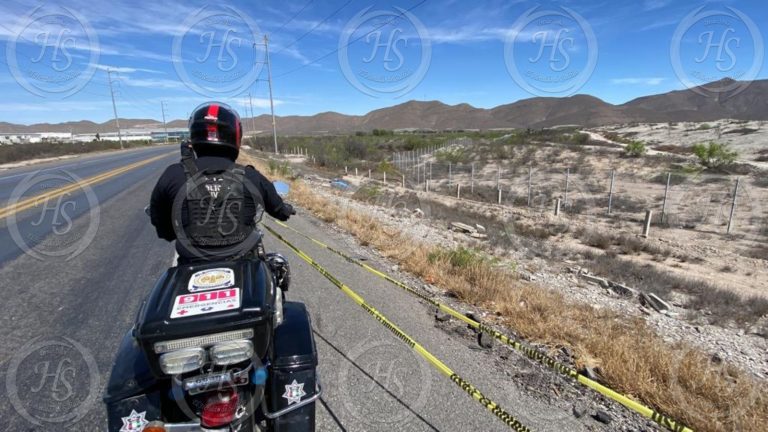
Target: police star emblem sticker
[
  {"x": 134, "y": 422},
  {"x": 294, "y": 392}
]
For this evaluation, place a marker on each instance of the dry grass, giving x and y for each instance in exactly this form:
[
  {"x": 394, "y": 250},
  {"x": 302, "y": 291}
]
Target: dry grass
[{"x": 675, "y": 379}]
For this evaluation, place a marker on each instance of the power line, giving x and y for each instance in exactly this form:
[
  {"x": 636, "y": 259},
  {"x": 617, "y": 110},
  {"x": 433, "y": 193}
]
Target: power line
[
  {"x": 290, "y": 20},
  {"x": 400, "y": 15},
  {"x": 313, "y": 28}
]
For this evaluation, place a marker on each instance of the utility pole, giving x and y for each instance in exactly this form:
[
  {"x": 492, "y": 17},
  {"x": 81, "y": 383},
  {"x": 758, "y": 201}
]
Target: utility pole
[
  {"x": 165, "y": 126},
  {"x": 114, "y": 108},
  {"x": 271, "y": 102}
]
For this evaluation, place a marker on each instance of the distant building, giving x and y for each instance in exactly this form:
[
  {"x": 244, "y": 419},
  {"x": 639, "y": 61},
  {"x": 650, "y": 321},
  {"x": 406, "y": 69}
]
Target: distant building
[
  {"x": 137, "y": 134},
  {"x": 34, "y": 137},
  {"x": 174, "y": 134}
]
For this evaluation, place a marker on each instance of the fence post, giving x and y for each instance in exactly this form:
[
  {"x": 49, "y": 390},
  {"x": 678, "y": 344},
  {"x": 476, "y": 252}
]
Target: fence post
[
  {"x": 499, "y": 195},
  {"x": 426, "y": 185},
  {"x": 385, "y": 177},
  {"x": 557, "y": 207},
  {"x": 664, "y": 204},
  {"x": 647, "y": 224},
  {"x": 498, "y": 177},
  {"x": 369, "y": 174},
  {"x": 458, "y": 190},
  {"x": 567, "y": 181},
  {"x": 530, "y": 179},
  {"x": 733, "y": 205},
  {"x": 610, "y": 192},
  {"x": 402, "y": 179},
  {"x": 356, "y": 172},
  {"x": 472, "y": 179},
  {"x": 346, "y": 171}
]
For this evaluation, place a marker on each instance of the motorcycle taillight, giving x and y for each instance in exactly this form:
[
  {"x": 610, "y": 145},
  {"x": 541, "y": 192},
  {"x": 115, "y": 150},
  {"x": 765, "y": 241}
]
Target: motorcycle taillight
[{"x": 219, "y": 408}]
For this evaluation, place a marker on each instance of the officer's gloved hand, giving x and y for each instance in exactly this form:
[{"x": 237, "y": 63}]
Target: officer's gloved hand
[{"x": 285, "y": 212}]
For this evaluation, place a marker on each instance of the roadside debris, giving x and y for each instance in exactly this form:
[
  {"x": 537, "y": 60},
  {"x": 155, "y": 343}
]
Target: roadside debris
[{"x": 469, "y": 230}]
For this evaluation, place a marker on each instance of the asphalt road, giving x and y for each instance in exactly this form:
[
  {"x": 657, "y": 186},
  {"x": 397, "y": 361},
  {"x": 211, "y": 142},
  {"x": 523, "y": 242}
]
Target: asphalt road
[{"x": 70, "y": 291}]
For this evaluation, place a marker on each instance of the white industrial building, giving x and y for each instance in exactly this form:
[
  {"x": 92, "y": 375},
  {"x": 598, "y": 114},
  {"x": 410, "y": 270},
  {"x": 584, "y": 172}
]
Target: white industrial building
[
  {"x": 155, "y": 135},
  {"x": 35, "y": 137}
]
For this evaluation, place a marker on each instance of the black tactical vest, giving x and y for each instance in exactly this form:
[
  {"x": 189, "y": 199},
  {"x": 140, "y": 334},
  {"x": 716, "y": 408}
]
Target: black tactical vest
[{"x": 215, "y": 206}]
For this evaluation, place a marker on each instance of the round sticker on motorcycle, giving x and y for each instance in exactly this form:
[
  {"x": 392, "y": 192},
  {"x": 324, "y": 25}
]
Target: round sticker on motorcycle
[{"x": 211, "y": 279}]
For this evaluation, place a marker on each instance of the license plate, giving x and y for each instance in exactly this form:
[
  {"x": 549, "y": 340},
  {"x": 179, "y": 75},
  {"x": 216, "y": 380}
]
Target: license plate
[{"x": 216, "y": 381}]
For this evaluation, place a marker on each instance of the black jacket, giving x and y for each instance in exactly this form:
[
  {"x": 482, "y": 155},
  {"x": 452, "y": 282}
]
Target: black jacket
[{"x": 174, "y": 178}]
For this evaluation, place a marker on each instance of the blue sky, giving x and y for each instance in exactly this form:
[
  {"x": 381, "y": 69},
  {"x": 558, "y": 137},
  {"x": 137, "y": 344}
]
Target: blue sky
[{"x": 353, "y": 56}]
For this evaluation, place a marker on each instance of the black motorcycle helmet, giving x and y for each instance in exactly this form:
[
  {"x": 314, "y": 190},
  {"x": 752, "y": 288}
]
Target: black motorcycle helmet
[{"x": 215, "y": 130}]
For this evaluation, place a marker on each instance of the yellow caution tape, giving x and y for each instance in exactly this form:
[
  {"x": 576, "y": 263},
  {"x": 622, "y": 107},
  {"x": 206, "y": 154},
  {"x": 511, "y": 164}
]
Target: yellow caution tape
[
  {"x": 471, "y": 390},
  {"x": 529, "y": 352}
]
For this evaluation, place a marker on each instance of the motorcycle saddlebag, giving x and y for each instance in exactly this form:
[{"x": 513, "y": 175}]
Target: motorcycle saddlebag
[{"x": 293, "y": 376}]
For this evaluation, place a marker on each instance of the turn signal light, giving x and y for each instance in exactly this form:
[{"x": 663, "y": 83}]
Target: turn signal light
[{"x": 155, "y": 426}]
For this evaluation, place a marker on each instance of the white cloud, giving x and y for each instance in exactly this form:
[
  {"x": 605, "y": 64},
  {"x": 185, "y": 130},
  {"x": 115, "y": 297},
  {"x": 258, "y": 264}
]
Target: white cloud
[
  {"x": 655, "y": 4},
  {"x": 652, "y": 81},
  {"x": 154, "y": 83},
  {"x": 124, "y": 70}
]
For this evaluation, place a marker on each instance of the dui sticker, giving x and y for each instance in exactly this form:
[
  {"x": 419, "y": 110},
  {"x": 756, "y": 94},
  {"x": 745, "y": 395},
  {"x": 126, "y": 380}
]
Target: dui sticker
[
  {"x": 211, "y": 279},
  {"x": 205, "y": 302}
]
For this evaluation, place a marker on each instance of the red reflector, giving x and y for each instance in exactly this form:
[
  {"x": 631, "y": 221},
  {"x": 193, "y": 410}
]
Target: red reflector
[
  {"x": 213, "y": 132},
  {"x": 220, "y": 408}
]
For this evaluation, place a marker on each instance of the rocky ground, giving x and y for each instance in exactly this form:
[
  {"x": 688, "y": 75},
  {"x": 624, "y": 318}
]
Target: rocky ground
[{"x": 730, "y": 345}]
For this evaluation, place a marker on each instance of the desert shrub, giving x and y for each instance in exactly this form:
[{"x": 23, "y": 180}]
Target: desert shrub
[
  {"x": 460, "y": 257},
  {"x": 714, "y": 155},
  {"x": 594, "y": 238},
  {"x": 635, "y": 149},
  {"x": 367, "y": 193},
  {"x": 279, "y": 168},
  {"x": 453, "y": 155},
  {"x": 539, "y": 231},
  {"x": 675, "y": 179}
]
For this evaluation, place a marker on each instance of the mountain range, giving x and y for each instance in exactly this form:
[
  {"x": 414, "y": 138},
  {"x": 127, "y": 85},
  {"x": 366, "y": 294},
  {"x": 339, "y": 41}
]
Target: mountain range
[{"x": 677, "y": 106}]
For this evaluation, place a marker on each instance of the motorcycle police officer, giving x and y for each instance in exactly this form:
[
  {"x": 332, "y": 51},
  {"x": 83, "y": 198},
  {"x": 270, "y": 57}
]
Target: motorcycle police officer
[{"x": 207, "y": 202}]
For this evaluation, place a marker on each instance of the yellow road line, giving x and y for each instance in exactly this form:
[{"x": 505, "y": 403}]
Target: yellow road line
[{"x": 41, "y": 198}]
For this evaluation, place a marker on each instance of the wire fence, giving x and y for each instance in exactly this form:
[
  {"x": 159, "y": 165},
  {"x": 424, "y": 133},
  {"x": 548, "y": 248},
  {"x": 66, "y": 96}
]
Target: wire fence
[{"x": 715, "y": 203}]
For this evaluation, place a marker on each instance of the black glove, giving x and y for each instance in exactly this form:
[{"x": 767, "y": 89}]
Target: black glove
[{"x": 286, "y": 211}]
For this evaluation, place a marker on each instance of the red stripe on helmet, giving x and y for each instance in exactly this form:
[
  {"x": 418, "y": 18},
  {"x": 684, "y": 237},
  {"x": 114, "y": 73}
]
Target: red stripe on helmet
[{"x": 213, "y": 111}]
